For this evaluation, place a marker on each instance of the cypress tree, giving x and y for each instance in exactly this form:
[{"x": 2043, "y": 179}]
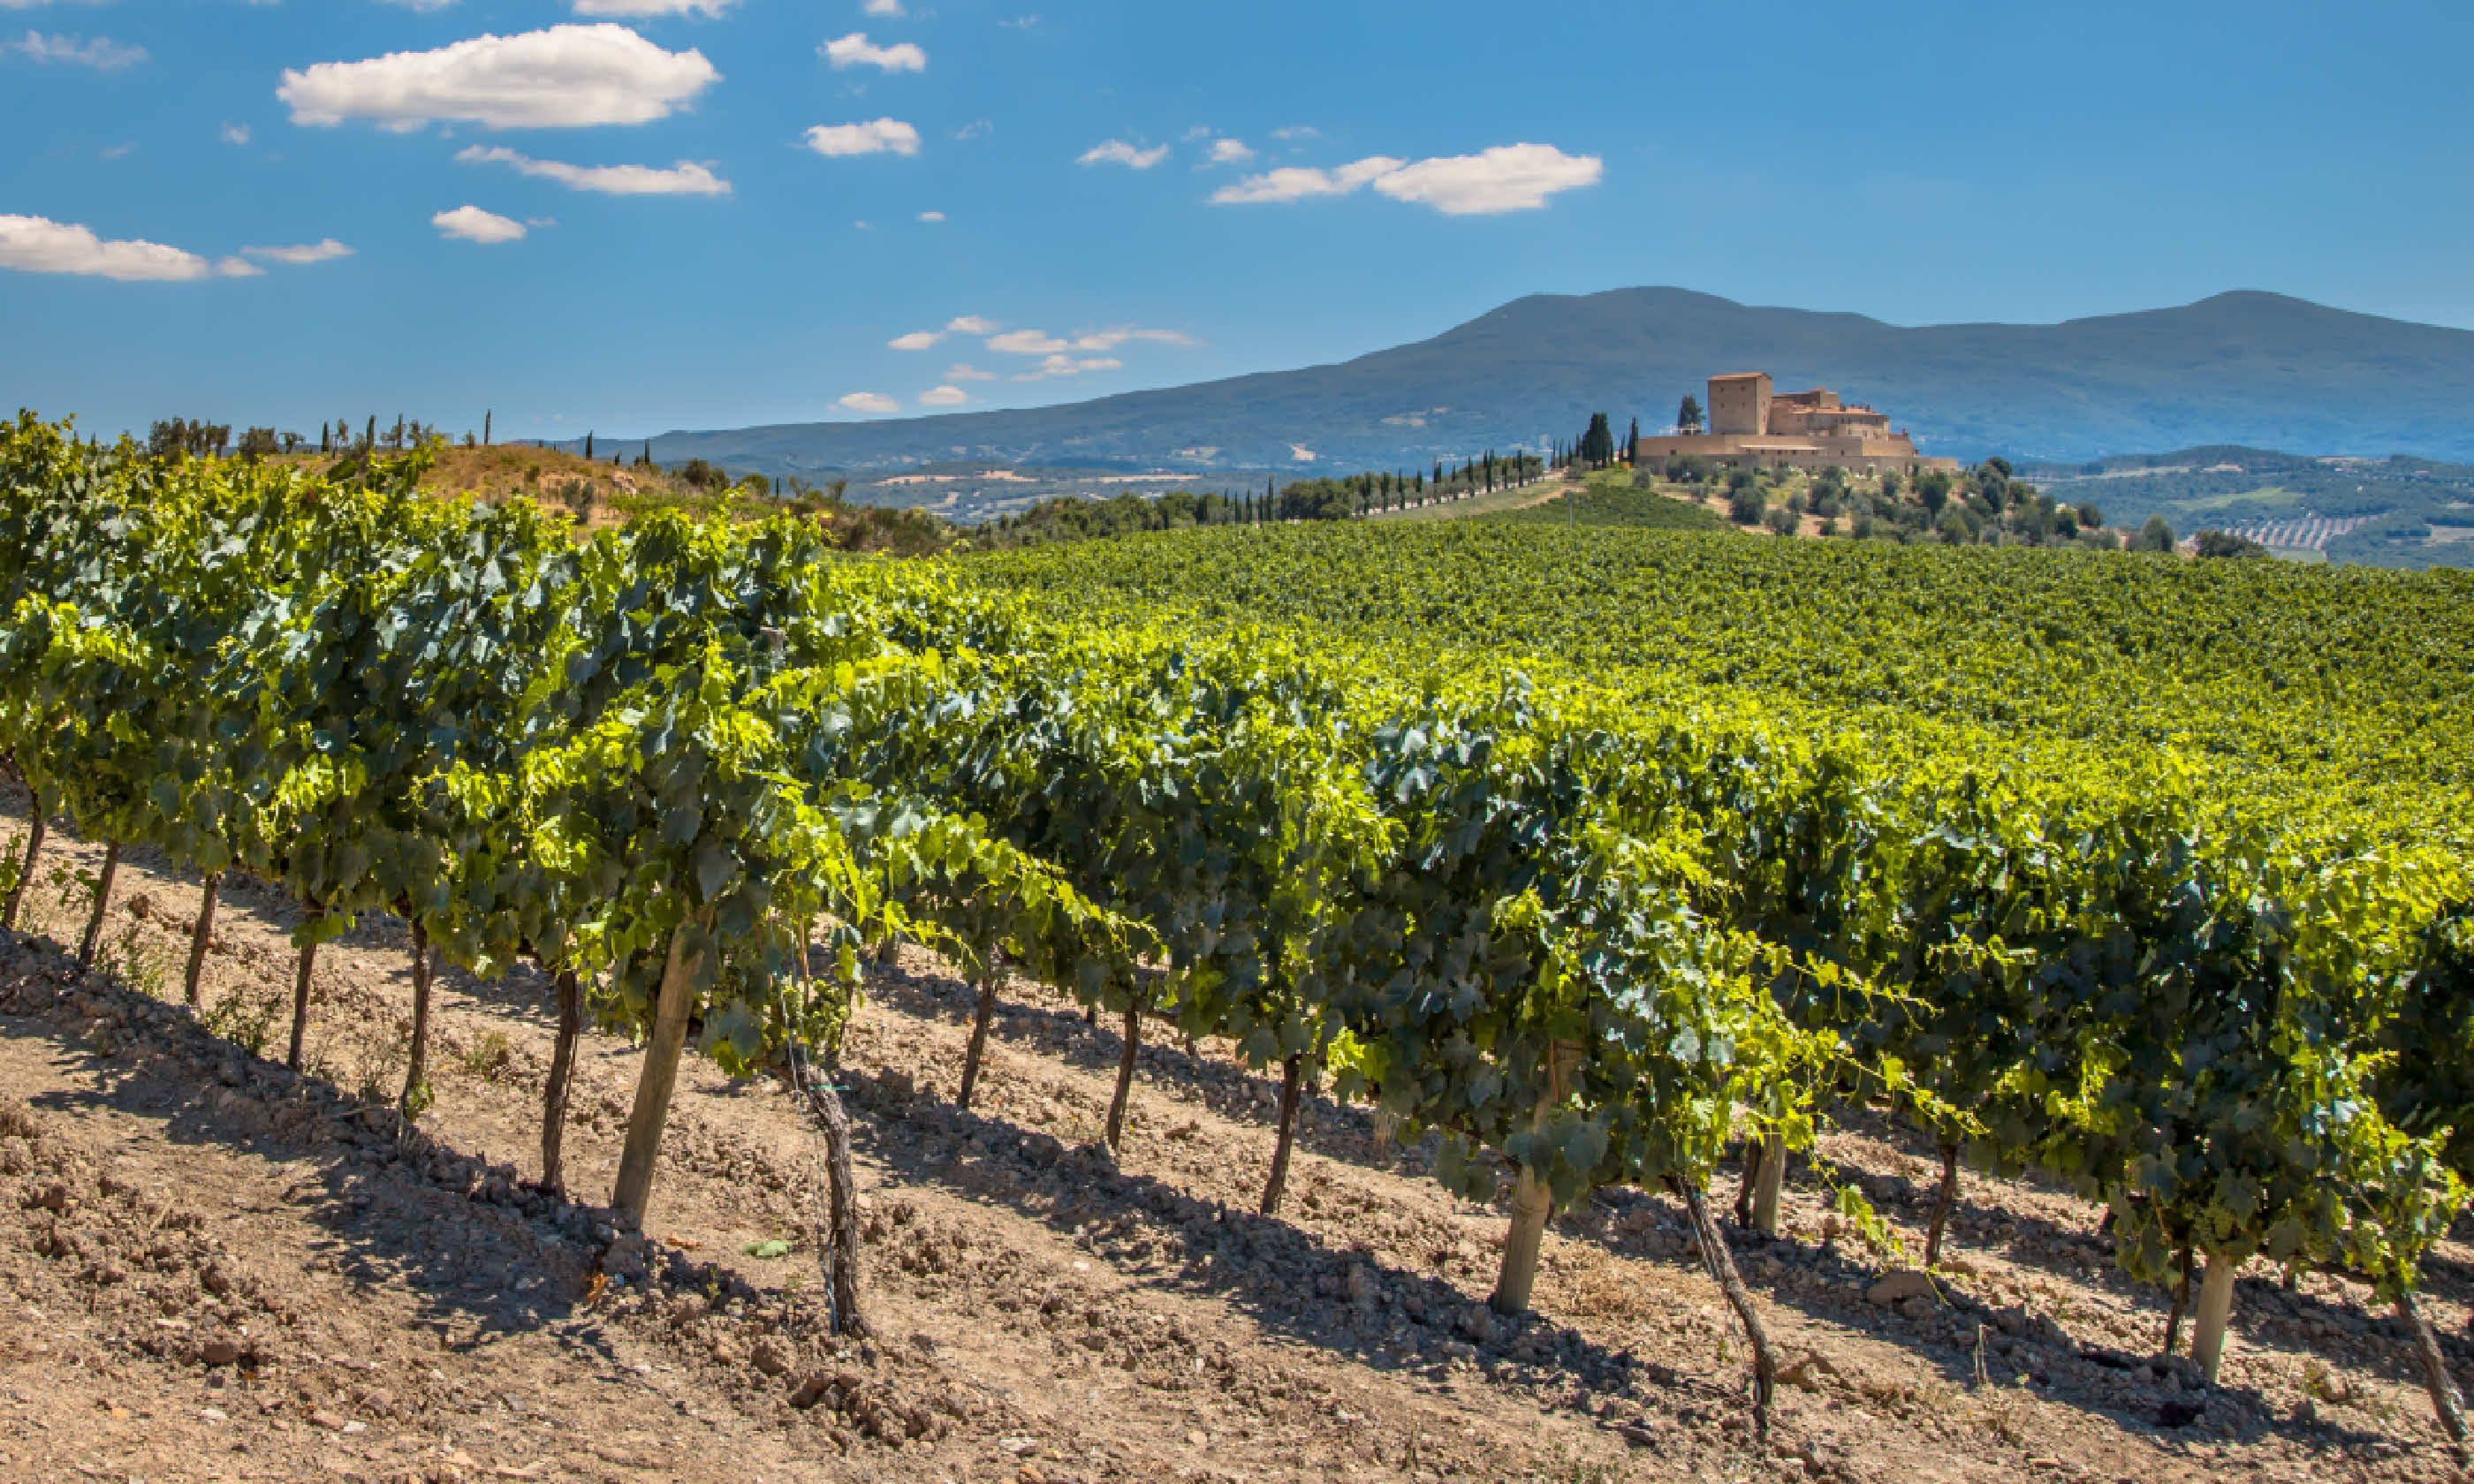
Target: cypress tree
[
  {"x": 648, "y": 453},
  {"x": 485, "y": 429},
  {"x": 588, "y": 447},
  {"x": 370, "y": 435},
  {"x": 325, "y": 442}
]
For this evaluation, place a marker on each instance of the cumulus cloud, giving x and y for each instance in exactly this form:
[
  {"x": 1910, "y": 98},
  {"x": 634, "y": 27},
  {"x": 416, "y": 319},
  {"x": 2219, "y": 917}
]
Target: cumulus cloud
[
  {"x": 883, "y": 8},
  {"x": 101, "y": 53},
  {"x": 1231, "y": 152},
  {"x": 1300, "y": 183},
  {"x": 564, "y": 77},
  {"x": 644, "y": 8},
  {"x": 856, "y": 50},
  {"x": 1069, "y": 365},
  {"x": 916, "y": 340},
  {"x": 931, "y": 216},
  {"x": 1508, "y": 177},
  {"x": 1041, "y": 343},
  {"x": 1117, "y": 152},
  {"x": 235, "y": 134},
  {"x": 471, "y": 224},
  {"x": 309, "y": 253},
  {"x": 870, "y": 401},
  {"x": 686, "y": 178},
  {"x": 877, "y": 136},
  {"x": 1029, "y": 343},
  {"x": 970, "y": 324},
  {"x": 943, "y": 397},
  {"x": 964, "y": 370},
  {"x": 40, "y": 244}
]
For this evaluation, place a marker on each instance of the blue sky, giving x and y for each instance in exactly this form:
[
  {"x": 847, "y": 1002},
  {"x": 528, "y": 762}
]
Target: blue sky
[{"x": 743, "y": 211}]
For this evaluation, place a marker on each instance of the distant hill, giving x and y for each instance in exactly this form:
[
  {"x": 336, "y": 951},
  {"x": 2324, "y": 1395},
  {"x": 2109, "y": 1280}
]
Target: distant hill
[
  {"x": 2246, "y": 368},
  {"x": 2394, "y": 511}
]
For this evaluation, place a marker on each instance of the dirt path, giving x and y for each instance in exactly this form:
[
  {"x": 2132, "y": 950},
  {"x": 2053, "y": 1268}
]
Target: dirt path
[{"x": 216, "y": 1270}]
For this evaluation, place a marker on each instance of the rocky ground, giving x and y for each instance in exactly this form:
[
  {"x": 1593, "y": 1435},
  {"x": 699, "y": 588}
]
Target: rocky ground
[{"x": 212, "y": 1269}]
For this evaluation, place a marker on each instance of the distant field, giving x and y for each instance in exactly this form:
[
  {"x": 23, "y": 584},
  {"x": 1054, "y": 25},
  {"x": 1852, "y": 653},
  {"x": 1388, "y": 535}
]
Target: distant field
[
  {"x": 2356, "y": 678},
  {"x": 1612, "y": 501}
]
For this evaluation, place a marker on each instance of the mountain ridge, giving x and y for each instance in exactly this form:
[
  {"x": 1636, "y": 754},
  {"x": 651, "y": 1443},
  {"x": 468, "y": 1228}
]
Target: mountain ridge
[{"x": 2245, "y": 365}]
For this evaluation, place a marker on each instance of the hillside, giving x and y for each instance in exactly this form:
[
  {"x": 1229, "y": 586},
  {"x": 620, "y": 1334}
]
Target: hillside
[
  {"x": 2240, "y": 368},
  {"x": 2396, "y": 512}
]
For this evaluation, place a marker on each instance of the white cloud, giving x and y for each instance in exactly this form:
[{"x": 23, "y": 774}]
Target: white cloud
[
  {"x": 870, "y": 401},
  {"x": 1029, "y": 343},
  {"x": 1302, "y": 453},
  {"x": 683, "y": 178},
  {"x": 1299, "y": 182},
  {"x": 964, "y": 370},
  {"x": 916, "y": 340},
  {"x": 564, "y": 77},
  {"x": 931, "y": 216},
  {"x": 40, "y": 244},
  {"x": 424, "y": 7},
  {"x": 705, "y": 8},
  {"x": 883, "y": 8},
  {"x": 237, "y": 268},
  {"x": 857, "y": 51},
  {"x": 1298, "y": 131},
  {"x": 101, "y": 53},
  {"x": 471, "y": 224},
  {"x": 310, "y": 253},
  {"x": 1231, "y": 152},
  {"x": 943, "y": 397},
  {"x": 1041, "y": 343},
  {"x": 235, "y": 134},
  {"x": 877, "y": 136},
  {"x": 970, "y": 324},
  {"x": 1117, "y": 152},
  {"x": 1508, "y": 177},
  {"x": 1069, "y": 365}
]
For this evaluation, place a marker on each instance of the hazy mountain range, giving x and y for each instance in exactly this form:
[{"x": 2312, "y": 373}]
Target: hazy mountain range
[{"x": 2240, "y": 368}]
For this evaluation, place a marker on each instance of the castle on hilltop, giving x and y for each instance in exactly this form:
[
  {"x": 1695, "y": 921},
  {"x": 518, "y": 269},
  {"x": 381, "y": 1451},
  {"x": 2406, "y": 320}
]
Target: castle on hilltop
[{"x": 1750, "y": 423}]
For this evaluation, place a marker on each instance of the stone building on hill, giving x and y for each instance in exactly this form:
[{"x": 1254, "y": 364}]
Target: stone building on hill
[{"x": 1750, "y": 424}]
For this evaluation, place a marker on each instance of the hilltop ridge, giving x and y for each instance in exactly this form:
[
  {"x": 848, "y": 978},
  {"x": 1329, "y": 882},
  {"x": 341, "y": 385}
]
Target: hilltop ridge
[{"x": 2245, "y": 367}]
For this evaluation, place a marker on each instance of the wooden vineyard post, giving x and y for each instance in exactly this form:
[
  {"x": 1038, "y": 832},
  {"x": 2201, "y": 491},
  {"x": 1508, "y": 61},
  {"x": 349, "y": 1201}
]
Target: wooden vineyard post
[
  {"x": 562, "y": 1076},
  {"x": 2215, "y": 1307},
  {"x": 1767, "y": 1189},
  {"x": 1532, "y": 1200},
  {"x": 202, "y": 933},
  {"x": 660, "y": 1076},
  {"x": 93, "y": 941},
  {"x": 1291, "y": 1071}
]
